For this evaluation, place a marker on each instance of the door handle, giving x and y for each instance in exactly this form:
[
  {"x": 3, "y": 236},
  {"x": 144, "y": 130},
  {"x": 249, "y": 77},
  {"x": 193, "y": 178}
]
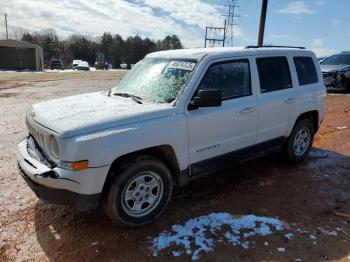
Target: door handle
[
  {"x": 247, "y": 110},
  {"x": 290, "y": 100}
]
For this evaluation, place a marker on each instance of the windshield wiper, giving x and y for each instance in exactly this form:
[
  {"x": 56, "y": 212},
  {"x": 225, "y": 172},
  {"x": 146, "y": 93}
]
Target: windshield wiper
[{"x": 133, "y": 97}]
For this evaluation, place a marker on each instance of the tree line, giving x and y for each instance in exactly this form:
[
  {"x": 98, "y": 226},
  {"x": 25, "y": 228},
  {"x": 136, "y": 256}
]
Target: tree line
[{"x": 116, "y": 49}]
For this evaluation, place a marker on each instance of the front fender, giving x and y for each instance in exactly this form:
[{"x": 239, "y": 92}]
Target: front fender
[{"x": 103, "y": 147}]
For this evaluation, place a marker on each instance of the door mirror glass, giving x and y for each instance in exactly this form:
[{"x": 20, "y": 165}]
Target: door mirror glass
[{"x": 207, "y": 98}]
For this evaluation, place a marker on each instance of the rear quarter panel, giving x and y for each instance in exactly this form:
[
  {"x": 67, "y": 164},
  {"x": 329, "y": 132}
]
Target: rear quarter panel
[{"x": 310, "y": 97}]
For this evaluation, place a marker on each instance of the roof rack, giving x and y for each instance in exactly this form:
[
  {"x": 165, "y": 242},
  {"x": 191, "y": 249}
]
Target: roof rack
[{"x": 274, "y": 46}]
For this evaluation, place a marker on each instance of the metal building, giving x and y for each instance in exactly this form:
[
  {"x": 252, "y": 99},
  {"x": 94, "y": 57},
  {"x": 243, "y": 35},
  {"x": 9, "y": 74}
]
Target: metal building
[{"x": 20, "y": 55}]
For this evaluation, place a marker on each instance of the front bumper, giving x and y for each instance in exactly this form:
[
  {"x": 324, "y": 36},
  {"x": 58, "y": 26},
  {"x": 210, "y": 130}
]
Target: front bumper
[
  {"x": 81, "y": 189},
  {"x": 332, "y": 85}
]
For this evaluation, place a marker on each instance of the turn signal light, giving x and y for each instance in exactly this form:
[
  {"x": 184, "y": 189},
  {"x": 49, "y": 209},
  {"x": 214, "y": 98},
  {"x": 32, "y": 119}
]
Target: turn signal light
[{"x": 80, "y": 165}]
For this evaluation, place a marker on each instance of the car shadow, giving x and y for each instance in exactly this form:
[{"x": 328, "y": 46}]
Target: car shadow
[{"x": 306, "y": 197}]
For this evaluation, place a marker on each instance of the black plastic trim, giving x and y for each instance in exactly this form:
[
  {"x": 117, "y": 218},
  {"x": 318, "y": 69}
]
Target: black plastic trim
[
  {"x": 212, "y": 165},
  {"x": 62, "y": 196}
]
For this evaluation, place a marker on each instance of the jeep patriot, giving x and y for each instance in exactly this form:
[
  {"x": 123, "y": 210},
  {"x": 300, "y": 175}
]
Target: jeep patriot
[{"x": 176, "y": 116}]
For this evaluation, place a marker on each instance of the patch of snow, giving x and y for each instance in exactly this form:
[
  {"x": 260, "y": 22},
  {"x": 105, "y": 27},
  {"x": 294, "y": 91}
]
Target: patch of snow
[
  {"x": 68, "y": 116},
  {"x": 328, "y": 232},
  {"x": 313, "y": 237},
  {"x": 289, "y": 236},
  {"x": 320, "y": 158},
  {"x": 317, "y": 153},
  {"x": 332, "y": 233},
  {"x": 340, "y": 230},
  {"x": 197, "y": 234},
  {"x": 59, "y": 71},
  {"x": 281, "y": 249},
  {"x": 176, "y": 253},
  {"x": 302, "y": 231},
  {"x": 342, "y": 127},
  {"x": 333, "y": 94}
]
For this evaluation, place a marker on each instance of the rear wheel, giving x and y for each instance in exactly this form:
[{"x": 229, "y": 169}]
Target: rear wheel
[
  {"x": 300, "y": 140},
  {"x": 140, "y": 192}
]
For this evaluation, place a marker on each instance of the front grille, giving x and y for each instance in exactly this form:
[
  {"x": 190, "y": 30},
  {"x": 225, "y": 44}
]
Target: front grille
[{"x": 39, "y": 137}]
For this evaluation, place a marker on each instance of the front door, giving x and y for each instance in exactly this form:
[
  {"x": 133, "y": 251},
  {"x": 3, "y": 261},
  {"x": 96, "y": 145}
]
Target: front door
[{"x": 216, "y": 131}]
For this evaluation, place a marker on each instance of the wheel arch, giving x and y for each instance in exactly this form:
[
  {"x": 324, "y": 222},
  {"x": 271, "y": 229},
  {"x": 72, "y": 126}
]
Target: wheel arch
[
  {"x": 164, "y": 153},
  {"x": 312, "y": 115}
]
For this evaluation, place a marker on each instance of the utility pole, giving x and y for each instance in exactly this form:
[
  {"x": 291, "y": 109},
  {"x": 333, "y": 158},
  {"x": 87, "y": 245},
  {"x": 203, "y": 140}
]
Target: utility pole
[
  {"x": 262, "y": 23},
  {"x": 7, "y": 33}
]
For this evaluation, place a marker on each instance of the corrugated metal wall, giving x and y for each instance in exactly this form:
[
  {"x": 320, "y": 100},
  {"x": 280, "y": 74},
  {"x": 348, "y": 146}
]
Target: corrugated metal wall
[{"x": 15, "y": 58}]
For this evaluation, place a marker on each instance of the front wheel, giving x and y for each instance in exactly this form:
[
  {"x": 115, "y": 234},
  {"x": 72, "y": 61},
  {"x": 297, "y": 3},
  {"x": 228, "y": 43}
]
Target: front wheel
[
  {"x": 300, "y": 140},
  {"x": 140, "y": 192}
]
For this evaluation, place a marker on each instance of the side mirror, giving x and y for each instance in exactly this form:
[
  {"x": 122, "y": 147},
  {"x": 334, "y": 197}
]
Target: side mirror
[{"x": 207, "y": 98}]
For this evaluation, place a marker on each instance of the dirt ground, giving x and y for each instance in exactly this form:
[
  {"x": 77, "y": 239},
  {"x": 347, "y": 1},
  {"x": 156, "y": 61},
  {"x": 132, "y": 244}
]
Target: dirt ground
[{"x": 312, "y": 199}]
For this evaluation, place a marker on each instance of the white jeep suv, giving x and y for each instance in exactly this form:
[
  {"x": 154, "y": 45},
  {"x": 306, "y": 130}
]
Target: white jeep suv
[{"x": 176, "y": 116}]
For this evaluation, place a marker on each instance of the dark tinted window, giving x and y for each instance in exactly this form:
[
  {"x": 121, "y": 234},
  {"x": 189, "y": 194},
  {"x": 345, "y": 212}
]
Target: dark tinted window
[
  {"x": 232, "y": 78},
  {"x": 274, "y": 74},
  {"x": 306, "y": 70}
]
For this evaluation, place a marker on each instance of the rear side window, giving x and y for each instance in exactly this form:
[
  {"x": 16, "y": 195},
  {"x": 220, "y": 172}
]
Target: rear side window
[
  {"x": 306, "y": 70},
  {"x": 232, "y": 78},
  {"x": 274, "y": 74}
]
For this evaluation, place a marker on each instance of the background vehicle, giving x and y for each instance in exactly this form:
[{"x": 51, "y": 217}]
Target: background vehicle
[
  {"x": 83, "y": 65},
  {"x": 336, "y": 71},
  {"x": 171, "y": 120},
  {"x": 56, "y": 64},
  {"x": 101, "y": 62},
  {"x": 75, "y": 63},
  {"x": 123, "y": 66}
]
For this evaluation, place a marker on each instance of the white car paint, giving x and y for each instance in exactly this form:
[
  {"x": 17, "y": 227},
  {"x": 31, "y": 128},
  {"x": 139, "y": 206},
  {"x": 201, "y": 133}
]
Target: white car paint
[{"x": 100, "y": 128}]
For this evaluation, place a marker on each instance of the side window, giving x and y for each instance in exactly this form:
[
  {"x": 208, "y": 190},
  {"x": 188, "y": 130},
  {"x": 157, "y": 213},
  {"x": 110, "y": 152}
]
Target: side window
[
  {"x": 306, "y": 70},
  {"x": 232, "y": 78},
  {"x": 274, "y": 74}
]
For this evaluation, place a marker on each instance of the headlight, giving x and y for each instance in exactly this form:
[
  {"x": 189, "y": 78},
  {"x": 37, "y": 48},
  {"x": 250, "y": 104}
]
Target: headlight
[{"x": 54, "y": 147}]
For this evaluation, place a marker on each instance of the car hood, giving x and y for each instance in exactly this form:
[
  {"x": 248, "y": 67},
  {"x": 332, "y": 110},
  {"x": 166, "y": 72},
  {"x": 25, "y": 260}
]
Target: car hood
[
  {"x": 333, "y": 68},
  {"x": 81, "y": 114}
]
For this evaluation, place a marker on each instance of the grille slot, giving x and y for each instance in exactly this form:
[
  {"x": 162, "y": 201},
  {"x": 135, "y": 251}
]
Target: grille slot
[
  {"x": 327, "y": 74},
  {"x": 37, "y": 135}
]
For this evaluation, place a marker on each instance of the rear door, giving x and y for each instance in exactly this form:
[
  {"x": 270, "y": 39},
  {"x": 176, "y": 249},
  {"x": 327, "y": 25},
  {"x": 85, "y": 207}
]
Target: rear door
[{"x": 276, "y": 97}]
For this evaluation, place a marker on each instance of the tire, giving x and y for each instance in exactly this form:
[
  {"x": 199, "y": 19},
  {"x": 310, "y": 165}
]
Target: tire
[
  {"x": 140, "y": 191},
  {"x": 300, "y": 140},
  {"x": 347, "y": 85}
]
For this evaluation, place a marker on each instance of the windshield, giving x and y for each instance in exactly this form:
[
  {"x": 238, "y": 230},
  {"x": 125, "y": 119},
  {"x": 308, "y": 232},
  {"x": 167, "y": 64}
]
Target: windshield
[
  {"x": 157, "y": 80},
  {"x": 343, "y": 59}
]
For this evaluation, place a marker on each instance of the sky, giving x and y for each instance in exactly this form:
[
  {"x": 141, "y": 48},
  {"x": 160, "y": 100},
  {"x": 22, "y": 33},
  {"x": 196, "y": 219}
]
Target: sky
[{"x": 320, "y": 25}]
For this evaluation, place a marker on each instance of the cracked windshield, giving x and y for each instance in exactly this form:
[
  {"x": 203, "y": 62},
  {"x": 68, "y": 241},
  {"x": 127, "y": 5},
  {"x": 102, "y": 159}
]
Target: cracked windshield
[{"x": 156, "y": 80}]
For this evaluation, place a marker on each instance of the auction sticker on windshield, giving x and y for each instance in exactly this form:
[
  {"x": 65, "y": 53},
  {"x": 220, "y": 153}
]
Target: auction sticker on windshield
[{"x": 182, "y": 65}]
